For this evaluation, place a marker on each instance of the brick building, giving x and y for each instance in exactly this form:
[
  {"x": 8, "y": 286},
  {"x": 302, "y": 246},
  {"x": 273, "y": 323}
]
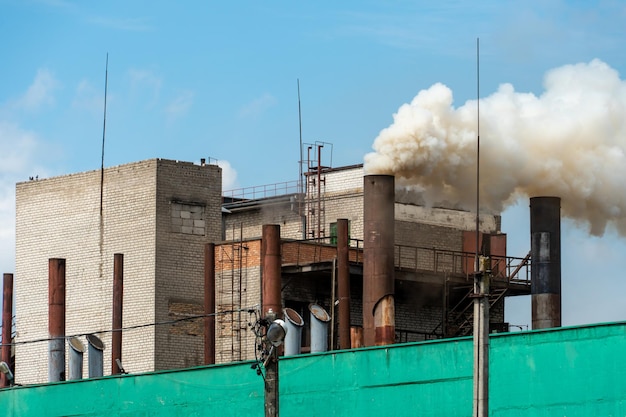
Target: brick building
[{"x": 161, "y": 213}]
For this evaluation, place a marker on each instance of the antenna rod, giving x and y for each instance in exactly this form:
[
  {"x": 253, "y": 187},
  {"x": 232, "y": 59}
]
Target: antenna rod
[
  {"x": 300, "y": 126},
  {"x": 104, "y": 126},
  {"x": 477, "y": 150}
]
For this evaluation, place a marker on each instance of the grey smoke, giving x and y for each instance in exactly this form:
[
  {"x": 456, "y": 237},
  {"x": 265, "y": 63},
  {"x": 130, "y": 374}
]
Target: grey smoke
[{"x": 569, "y": 142}]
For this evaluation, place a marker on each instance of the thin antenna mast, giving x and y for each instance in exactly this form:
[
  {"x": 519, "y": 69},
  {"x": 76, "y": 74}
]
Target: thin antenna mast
[
  {"x": 481, "y": 287},
  {"x": 300, "y": 127},
  {"x": 301, "y": 185},
  {"x": 104, "y": 126}
]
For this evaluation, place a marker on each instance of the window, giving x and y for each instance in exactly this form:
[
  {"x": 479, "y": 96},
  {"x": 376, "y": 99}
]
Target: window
[{"x": 333, "y": 233}]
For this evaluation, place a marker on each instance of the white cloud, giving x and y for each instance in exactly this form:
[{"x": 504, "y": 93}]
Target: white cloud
[
  {"x": 229, "y": 175},
  {"x": 180, "y": 105},
  {"x": 87, "y": 97},
  {"x": 17, "y": 163},
  {"x": 39, "y": 93},
  {"x": 145, "y": 81},
  {"x": 255, "y": 108}
]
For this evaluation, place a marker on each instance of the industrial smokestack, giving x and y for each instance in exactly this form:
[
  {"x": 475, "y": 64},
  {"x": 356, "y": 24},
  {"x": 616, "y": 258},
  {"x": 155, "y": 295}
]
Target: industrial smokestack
[
  {"x": 545, "y": 247},
  {"x": 378, "y": 254},
  {"x": 7, "y": 323},
  {"x": 118, "y": 294},
  {"x": 567, "y": 141},
  {"x": 56, "y": 319}
]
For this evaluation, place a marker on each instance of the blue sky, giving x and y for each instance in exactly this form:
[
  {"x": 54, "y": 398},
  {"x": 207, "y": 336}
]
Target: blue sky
[{"x": 191, "y": 80}]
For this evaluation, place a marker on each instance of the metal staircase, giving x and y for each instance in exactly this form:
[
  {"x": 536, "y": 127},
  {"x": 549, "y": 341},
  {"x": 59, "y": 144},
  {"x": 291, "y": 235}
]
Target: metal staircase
[{"x": 459, "y": 320}]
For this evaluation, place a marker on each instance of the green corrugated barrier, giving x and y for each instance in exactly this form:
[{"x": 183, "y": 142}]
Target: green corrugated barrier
[{"x": 573, "y": 372}]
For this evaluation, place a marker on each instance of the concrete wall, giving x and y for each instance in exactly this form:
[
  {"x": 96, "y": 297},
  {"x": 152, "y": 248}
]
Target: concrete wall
[
  {"x": 60, "y": 217},
  {"x": 574, "y": 372}
]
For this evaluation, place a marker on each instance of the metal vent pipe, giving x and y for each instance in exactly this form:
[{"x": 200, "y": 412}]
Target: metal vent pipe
[
  {"x": 378, "y": 260},
  {"x": 56, "y": 319},
  {"x": 118, "y": 294},
  {"x": 77, "y": 349},
  {"x": 271, "y": 275},
  {"x": 293, "y": 339},
  {"x": 545, "y": 247},
  {"x": 7, "y": 323},
  {"x": 319, "y": 328},
  {"x": 343, "y": 287},
  {"x": 95, "y": 352},
  {"x": 209, "y": 304}
]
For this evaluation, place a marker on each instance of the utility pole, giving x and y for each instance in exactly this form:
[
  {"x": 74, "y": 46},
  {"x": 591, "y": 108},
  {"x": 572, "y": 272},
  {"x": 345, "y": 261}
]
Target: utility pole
[{"x": 481, "y": 343}]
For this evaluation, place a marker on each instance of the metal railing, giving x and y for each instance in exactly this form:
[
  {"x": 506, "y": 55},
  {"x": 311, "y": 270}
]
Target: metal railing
[
  {"x": 417, "y": 259},
  {"x": 263, "y": 191}
]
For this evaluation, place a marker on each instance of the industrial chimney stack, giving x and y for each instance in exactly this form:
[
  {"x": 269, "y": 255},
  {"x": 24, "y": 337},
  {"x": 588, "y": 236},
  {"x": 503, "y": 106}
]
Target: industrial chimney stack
[
  {"x": 545, "y": 247},
  {"x": 378, "y": 255}
]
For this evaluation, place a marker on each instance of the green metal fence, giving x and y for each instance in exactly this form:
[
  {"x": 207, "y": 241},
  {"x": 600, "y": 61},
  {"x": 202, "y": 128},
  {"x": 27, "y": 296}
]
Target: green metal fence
[{"x": 577, "y": 371}]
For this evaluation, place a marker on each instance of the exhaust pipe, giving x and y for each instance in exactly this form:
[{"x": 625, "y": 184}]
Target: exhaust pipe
[
  {"x": 293, "y": 339},
  {"x": 319, "y": 328},
  {"x": 56, "y": 319}
]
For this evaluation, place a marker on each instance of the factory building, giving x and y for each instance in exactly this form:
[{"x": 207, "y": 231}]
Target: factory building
[{"x": 162, "y": 215}]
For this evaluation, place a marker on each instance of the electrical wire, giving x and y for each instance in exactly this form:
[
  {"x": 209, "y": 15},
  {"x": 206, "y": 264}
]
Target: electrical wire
[{"x": 135, "y": 327}]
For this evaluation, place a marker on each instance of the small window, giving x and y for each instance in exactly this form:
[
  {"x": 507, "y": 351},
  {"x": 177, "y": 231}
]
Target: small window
[{"x": 333, "y": 233}]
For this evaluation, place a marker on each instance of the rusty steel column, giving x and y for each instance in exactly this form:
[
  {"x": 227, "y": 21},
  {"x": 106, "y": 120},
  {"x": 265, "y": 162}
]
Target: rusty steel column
[
  {"x": 343, "y": 290},
  {"x": 56, "y": 319},
  {"x": 545, "y": 248},
  {"x": 7, "y": 323},
  {"x": 209, "y": 304},
  {"x": 118, "y": 293},
  {"x": 378, "y": 255}
]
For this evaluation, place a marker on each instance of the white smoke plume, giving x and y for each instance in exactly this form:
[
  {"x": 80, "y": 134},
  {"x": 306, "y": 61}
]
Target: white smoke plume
[{"x": 569, "y": 142}]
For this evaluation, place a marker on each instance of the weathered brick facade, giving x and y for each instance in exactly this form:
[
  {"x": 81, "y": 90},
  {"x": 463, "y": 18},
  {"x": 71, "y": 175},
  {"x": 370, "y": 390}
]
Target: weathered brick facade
[
  {"x": 144, "y": 206},
  {"x": 160, "y": 213}
]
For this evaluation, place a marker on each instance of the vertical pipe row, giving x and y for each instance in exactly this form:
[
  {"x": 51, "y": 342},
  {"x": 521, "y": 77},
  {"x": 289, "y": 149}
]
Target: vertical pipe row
[
  {"x": 209, "y": 304},
  {"x": 56, "y": 319},
  {"x": 545, "y": 247},
  {"x": 343, "y": 267},
  {"x": 378, "y": 256},
  {"x": 118, "y": 293},
  {"x": 7, "y": 323}
]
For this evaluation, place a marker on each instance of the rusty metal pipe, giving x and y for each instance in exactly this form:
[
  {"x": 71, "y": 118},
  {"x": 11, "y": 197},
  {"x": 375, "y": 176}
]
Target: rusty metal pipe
[
  {"x": 56, "y": 319},
  {"x": 343, "y": 268},
  {"x": 378, "y": 255},
  {"x": 271, "y": 263},
  {"x": 271, "y": 274},
  {"x": 545, "y": 247},
  {"x": 118, "y": 294},
  {"x": 209, "y": 304},
  {"x": 7, "y": 323}
]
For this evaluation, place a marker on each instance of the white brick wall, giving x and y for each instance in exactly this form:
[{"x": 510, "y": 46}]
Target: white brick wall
[{"x": 60, "y": 217}]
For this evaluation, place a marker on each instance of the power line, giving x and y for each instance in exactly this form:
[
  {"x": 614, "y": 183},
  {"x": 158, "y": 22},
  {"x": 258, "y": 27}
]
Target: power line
[{"x": 135, "y": 327}]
